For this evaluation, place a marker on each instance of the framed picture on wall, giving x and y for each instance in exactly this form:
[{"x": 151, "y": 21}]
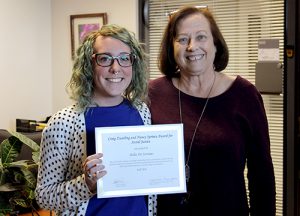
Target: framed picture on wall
[{"x": 82, "y": 24}]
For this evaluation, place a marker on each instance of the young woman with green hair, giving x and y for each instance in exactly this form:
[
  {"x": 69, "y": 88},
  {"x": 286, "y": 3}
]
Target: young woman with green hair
[{"x": 109, "y": 87}]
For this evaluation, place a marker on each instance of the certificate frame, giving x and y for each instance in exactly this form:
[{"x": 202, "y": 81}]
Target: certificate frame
[{"x": 141, "y": 160}]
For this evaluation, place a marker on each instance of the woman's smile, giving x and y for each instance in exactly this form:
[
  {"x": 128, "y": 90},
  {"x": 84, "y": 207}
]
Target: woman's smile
[
  {"x": 115, "y": 80},
  {"x": 195, "y": 57}
]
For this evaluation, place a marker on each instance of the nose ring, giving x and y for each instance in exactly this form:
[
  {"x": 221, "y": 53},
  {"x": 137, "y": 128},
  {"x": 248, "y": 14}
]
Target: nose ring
[{"x": 115, "y": 72}]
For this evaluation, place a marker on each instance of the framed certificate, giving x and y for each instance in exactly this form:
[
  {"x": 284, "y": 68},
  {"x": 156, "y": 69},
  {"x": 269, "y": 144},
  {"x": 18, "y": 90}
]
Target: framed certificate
[{"x": 141, "y": 160}]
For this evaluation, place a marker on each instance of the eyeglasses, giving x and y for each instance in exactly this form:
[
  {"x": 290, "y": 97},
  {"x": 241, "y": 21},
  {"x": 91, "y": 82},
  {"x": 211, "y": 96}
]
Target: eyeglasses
[
  {"x": 106, "y": 60},
  {"x": 170, "y": 14}
]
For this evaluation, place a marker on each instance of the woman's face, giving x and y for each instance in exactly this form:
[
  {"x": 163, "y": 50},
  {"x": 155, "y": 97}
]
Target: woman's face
[
  {"x": 110, "y": 82},
  {"x": 194, "y": 49}
]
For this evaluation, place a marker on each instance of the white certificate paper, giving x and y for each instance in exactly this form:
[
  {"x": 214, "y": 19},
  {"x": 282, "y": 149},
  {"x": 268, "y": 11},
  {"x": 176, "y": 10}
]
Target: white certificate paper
[{"x": 141, "y": 160}]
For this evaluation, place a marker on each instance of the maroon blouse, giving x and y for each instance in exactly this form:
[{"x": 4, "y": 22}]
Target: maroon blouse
[{"x": 233, "y": 131}]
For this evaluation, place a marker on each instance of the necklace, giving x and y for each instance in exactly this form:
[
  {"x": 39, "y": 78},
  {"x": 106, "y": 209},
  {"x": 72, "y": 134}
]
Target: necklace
[{"x": 187, "y": 167}]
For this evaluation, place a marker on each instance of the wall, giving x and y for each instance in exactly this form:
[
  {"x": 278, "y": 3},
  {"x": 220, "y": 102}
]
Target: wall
[
  {"x": 35, "y": 54},
  {"x": 25, "y": 61},
  {"x": 119, "y": 12}
]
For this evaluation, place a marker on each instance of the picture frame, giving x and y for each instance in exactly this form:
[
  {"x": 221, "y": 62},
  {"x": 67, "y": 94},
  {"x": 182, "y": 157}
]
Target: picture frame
[{"x": 81, "y": 24}]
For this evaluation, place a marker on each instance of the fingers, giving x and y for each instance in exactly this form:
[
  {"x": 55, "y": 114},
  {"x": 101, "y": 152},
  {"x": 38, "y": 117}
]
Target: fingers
[
  {"x": 92, "y": 159},
  {"x": 97, "y": 171},
  {"x": 93, "y": 167},
  {"x": 99, "y": 174}
]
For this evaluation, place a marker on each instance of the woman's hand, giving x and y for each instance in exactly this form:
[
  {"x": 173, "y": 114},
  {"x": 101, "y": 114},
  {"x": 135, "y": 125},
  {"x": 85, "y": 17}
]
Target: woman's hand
[{"x": 93, "y": 170}]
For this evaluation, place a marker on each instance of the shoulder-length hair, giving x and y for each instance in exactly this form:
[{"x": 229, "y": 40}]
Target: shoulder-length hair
[
  {"x": 166, "y": 61},
  {"x": 81, "y": 84}
]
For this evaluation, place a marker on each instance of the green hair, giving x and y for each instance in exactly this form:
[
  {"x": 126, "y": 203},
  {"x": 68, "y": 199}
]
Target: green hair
[{"x": 81, "y": 84}]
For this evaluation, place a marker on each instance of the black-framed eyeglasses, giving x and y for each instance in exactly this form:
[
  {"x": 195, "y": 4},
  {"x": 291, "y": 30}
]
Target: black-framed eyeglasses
[{"x": 106, "y": 60}]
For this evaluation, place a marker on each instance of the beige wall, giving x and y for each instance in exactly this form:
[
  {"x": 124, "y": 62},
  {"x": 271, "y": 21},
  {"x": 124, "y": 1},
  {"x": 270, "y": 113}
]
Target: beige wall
[
  {"x": 35, "y": 53},
  {"x": 25, "y": 61}
]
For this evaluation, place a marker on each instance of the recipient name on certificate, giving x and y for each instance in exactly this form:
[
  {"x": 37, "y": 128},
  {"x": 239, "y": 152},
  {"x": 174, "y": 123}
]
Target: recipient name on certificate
[{"x": 141, "y": 160}]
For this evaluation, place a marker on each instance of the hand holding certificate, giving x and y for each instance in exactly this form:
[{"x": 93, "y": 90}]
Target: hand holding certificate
[{"x": 141, "y": 160}]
